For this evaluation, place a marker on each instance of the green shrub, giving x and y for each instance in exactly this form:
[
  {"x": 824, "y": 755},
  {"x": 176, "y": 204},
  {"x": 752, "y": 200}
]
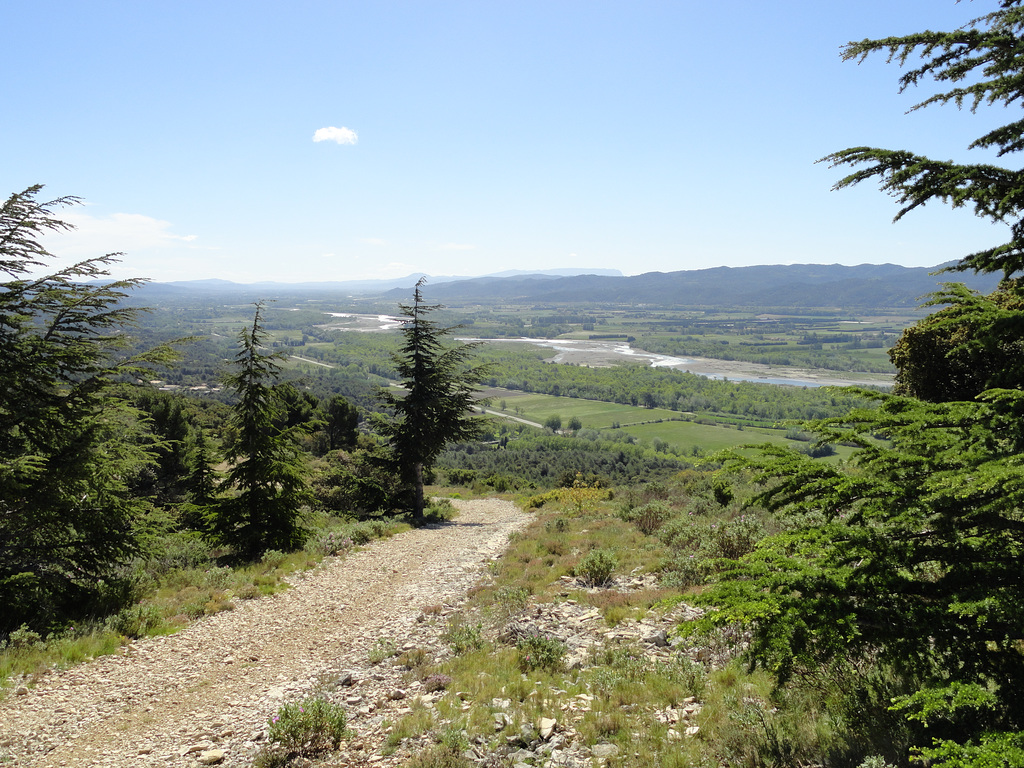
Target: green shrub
[
  {"x": 511, "y": 600},
  {"x": 460, "y": 476},
  {"x": 270, "y": 757},
  {"x": 439, "y": 510},
  {"x": 334, "y": 543},
  {"x": 382, "y": 649},
  {"x": 135, "y": 621},
  {"x": 597, "y": 566},
  {"x": 540, "y": 651},
  {"x": 462, "y": 636},
  {"x": 273, "y": 558},
  {"x": 221, "y": 576},
  {"x": 413, "y": 658},
  {"x": 24, "y": 639},
  {"x": 309, "y": 727},
  {"x": 361, "y": 533},
  {"x": 178, "y": 550},
  {"x": 648, "y": 518}
]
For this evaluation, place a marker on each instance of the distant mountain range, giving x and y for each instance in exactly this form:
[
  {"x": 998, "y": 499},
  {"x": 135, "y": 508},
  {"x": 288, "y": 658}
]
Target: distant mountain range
[
  {"x": 359, "y": 286},
  {"x": 796, "y": 285}
]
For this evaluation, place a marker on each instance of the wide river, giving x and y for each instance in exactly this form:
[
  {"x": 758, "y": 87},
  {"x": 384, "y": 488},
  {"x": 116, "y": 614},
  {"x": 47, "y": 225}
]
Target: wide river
[
  {"x": 601, "y": 354},
  {"x": 607, "y": 353}
]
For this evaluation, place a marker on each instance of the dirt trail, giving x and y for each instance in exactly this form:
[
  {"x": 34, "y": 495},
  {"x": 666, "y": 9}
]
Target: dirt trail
[{"x": 213, "y": 685}]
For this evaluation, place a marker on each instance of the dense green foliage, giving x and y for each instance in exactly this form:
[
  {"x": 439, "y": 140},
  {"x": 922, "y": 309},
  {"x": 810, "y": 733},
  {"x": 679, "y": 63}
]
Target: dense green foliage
[
  {"x": 70, "y": 445},
  {"x": 545, "y": 461},
  {"x": 266, "y": 468},
  {"x": 525, "y": 369},
  {"x": 902, "y": 571},
  {"x": 972, "y": 344},
  {"x": 439, "y": 391}
]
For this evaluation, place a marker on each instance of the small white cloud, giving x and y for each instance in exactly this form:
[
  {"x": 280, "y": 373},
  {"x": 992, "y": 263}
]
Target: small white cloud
[
  {"x": 373, "y": 241},
  {"x": 341, "y": 135},
  {"x": 455, "y": 247}
]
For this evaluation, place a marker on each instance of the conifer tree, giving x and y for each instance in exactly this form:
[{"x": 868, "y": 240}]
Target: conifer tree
[
  {"x": 434, "y": 409},
  {"x": 981, "y": 63},
  {"x": 70, "y": 446},
  {"x": 267, "y": 473},
  {"x": 342, "y": 423},
  {"x": 905, "y": 567}
]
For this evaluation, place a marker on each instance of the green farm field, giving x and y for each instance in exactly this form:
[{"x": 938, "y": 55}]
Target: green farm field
[{"x": 645, "y": 424}]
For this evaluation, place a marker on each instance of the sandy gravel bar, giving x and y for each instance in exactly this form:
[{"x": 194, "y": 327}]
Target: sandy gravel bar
[{"x": 163, "y": 701}]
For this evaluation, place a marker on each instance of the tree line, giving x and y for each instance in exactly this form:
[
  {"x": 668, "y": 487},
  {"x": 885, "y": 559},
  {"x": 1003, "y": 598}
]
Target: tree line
[{"x": 94, "y": 462}]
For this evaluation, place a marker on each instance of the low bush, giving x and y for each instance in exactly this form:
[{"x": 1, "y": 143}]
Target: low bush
[
  {"x": 649, "y": 517},
  {"x": 135, "y": 621},
  {"x": 334, "y": 543},
  {"x": 309, "y": 727},
  {"x": 597, "y": 566},
  {"x": 381, "y": 650},
  {"x": 461, "y": 636},
  {"x": 540, "y": 651}
]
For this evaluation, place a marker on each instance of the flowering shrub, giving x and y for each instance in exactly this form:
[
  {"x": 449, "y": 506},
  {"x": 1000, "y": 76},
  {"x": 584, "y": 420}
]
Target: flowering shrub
[
  {"x": 540, "y": 651},
  {"x": 335, "y": 543},
  {"x": 309, "y": 727}
]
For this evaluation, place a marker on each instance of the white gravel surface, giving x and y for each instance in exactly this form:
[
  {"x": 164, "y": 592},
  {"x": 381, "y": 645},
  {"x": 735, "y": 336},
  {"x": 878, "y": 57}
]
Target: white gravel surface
[{"x": 165, "y": 701}]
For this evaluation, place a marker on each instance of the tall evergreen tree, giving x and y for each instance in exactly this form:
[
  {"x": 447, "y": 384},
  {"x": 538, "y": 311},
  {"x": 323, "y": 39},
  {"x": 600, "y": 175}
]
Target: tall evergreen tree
[
  {"x": 439, "y": 388},
  {"x": 908, "y": 561},
  {"x": 69, "y": 445},
  {"x": 201, "y": 483},
  {"x": 267, "y": 472}
]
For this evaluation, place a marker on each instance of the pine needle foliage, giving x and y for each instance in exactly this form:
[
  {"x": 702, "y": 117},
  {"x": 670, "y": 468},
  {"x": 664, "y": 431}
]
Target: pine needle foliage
[
  {"x": 904, "y": 566},
  {"x": 439, "y": 390},
  {"x": 70, "y": 446},
  {"x": 981, "y": 64},
  {"x": 266, "y": 478}
]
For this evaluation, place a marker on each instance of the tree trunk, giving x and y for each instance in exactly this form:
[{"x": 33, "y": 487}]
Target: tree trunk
[{"x": 417, "y": 499}]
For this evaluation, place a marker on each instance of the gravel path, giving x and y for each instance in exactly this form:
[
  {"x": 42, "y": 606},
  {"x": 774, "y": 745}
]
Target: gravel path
[{"x": 166, "y": 701}]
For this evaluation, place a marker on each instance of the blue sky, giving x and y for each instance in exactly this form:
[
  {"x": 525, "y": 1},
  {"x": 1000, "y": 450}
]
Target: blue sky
[{"x": 471, "y": 137}]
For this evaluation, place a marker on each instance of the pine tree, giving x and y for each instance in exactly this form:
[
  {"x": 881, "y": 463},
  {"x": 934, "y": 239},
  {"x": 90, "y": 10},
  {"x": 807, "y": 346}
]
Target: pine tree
[
  {"x": 267, "y": 473},
  {"x": 982, "y": 62},
  {"x": 439, "y": 391},
  {"x": 70, "y": 446},
  {"x": 906, "y": 564}
]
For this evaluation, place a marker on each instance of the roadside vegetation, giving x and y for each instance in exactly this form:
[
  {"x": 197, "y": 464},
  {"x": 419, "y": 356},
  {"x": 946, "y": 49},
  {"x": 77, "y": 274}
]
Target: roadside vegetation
[{"x": 564, "y": 635}]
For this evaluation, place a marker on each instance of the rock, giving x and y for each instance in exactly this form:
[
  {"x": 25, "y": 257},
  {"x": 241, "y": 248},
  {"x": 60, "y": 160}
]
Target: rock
[
  {"x": 659, "y": 638},
  {"x": 692, "y": 731},
  {"x": 211, "y": 756},
  {"x": 604, "y": 751},
  {"x": 21, "y": 690},
  {"x": 546, "y": 726}
]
